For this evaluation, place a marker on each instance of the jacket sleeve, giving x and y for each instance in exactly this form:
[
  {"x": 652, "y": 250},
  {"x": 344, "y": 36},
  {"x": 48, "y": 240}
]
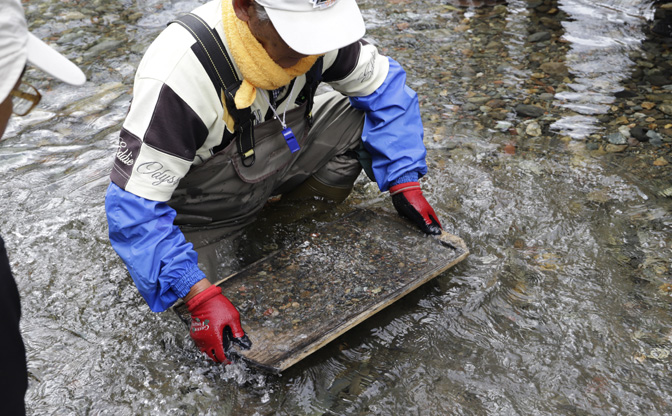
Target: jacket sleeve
[
  {"x": 393, "y": 131},
  {"x": 163, "y": 265}
]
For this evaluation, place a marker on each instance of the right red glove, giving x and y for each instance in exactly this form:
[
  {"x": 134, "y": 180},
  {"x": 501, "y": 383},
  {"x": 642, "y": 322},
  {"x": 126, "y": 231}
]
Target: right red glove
[
  {"x": 215, "y": 323},
  {"x": 410, "y": 203}
]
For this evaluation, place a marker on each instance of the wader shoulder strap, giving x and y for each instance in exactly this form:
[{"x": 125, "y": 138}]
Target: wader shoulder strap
[
  {"x": 223, "y": 75},
  {"x": 313, "y": 79}
]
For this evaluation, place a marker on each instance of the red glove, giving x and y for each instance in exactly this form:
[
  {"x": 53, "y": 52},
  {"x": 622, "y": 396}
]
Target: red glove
[
  {"x": 409, "y": 202},
  {"x": 215, "y": 323}
]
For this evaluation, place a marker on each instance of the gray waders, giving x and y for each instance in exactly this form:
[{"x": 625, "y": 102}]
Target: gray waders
[{"x": 216, "y": 200}]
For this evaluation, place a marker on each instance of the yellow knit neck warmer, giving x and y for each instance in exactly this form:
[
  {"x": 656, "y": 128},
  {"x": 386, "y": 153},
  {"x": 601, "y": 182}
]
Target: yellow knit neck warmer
[{"x": 258, "y": 69}]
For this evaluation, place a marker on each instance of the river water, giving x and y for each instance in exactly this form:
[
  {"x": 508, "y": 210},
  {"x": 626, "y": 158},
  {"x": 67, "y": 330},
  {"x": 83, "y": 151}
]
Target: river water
[{"x": 562, "y": 308}]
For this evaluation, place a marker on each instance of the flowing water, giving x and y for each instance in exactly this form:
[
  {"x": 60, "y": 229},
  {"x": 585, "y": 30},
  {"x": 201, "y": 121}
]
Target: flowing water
[{"x": 562, "y": 308}]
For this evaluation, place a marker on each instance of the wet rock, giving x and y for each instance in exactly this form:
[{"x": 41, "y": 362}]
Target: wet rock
[
  {"x": 655, "y": 139},
  {"x": 544, "y": 8},
  {"x": 533, "y": 4},
  {"x": 496, "y": 103},
  {"x": 550, "y": 23},
  {"x": 138, "y": 48},
  {"x": 493, "y": 45},
  {"x": 133, "y": 17},
  {"x": 69, "y": 38},
  {"x": 666, "y": 108},
  {"x": 470, "y": 107},
  {"x": 661, "y": 161},
  {"x": 500, "y": 10},
  {"x": 539, "y": 37},
  {"x": 654, "y": 136},
  {"x": 620, "y": 120},
  {"x": 645, "y": 64},
  {"x": 478, "y": 100},
  {"x": 625, "y": 131},
  {"x": 556, "y": 69},
  {"x": 658, "y": 98},
  {"x": 503, "y": 125},
  {"x": 533, "y": 129},
  {"x": 639, "y": 133},
  {"x": 616, "y": 138},
  {"x": 498, "y": 115},
  {"x": 658, "y": 80},
  {"x": 73, "y": 15},
  {"x": 625, "y": 94},
  {"x": 474, "y": 3},
  {"x": 615, "y": 148},
  {"x": 101, "y": 47},
  {"x": 450, "y": 145},
  {"x": 633, "y": 142},
  {"x": 467, "y": 71},
  {"x": 528, "y": 110},
  {"x": 502, "y": 69}
]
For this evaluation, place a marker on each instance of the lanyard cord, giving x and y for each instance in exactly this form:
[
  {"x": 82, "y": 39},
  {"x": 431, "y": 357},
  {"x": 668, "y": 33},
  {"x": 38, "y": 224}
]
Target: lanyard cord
[{"x": 284, "y": 113}]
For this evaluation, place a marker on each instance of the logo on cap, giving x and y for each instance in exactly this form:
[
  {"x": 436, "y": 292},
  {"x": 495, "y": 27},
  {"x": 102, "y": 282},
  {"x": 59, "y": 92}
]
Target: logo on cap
[{"x": 322, "y": 4}]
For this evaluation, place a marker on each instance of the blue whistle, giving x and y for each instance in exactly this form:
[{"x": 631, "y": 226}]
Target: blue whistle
[{"x": 291, "y": 140}]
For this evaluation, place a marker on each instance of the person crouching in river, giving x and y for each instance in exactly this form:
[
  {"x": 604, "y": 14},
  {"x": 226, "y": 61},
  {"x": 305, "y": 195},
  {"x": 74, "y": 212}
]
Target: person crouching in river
[{"x": 210, "y": 138}]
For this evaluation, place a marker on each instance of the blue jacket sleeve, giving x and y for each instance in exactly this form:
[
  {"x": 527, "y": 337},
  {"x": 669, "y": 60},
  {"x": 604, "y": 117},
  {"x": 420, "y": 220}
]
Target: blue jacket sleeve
[
  {"x": 393, "y": 130},
  {"x": 163, "y": 265}
]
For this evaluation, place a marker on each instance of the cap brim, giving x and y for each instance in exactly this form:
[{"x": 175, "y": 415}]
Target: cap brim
[
  {"x": 53, "y": 63},
  {"x": 319, "y": 31}
]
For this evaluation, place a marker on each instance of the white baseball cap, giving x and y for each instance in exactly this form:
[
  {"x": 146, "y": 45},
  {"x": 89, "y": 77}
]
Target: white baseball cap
[
  {"x": 312, "y": 27},
  {"x": 18, "y": 46}
]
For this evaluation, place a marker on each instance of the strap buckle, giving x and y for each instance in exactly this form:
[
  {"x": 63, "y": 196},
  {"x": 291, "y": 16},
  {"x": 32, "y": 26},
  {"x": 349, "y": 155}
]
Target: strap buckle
[{"x": 245, "y": 142}]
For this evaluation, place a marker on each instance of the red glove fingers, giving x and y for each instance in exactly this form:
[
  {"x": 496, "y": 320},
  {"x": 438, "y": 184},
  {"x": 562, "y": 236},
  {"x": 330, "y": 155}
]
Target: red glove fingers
[
  {"x": 410, "y": 203},
  {"x": 212, "y": 317}
]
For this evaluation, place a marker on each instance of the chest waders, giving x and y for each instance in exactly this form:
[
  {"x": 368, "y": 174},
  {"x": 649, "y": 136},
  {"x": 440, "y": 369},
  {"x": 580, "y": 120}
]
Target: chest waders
[{"x": 217, "y": 199}]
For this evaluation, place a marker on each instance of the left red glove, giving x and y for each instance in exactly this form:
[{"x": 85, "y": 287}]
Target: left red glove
[
  {"x": 410, "y": 203},
  {"x": 215, "y": 323}
]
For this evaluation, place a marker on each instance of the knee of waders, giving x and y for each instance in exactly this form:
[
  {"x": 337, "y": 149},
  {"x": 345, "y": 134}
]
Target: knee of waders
[{"x": 313, "y": 187}]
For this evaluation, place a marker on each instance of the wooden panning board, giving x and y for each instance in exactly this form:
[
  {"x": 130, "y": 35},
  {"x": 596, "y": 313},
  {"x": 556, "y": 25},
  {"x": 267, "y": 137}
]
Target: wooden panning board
[{"x": 298, "y": 299}]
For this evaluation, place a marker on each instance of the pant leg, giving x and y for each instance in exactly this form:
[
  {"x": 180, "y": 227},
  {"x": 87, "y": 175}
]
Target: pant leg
[{"x": 13, "y": 367}]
